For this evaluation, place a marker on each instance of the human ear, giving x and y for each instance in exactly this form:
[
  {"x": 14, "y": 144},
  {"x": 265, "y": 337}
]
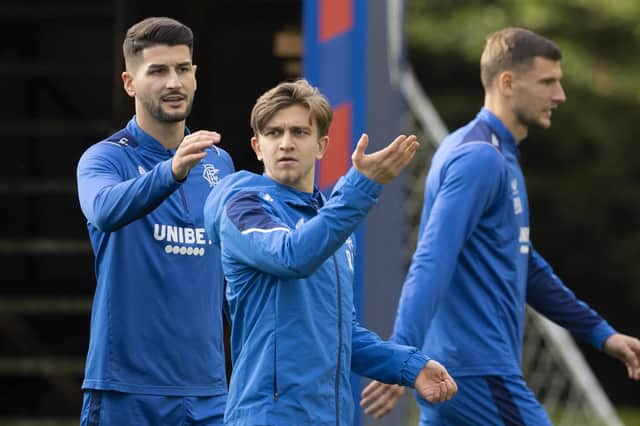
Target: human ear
[
  {"x": 195, "y": 80},
  {"x": 323, "y": 144},
  {"x": 128, "y": 84},
  {"x": 255, "y": 145},
  {"x": 505, "y": 82}
]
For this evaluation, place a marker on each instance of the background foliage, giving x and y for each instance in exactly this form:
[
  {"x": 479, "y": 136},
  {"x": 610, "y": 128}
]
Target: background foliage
[{"x": 583, "y": 173}]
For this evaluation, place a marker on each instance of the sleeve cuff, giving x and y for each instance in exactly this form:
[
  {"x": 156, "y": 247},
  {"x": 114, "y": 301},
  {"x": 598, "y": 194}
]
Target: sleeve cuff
[
  {"x": 167, "y": 174},
  {"x": 360, "y": 181},
  {"x": 600, "y": 334},
  {"x": 412, "y": 367}
]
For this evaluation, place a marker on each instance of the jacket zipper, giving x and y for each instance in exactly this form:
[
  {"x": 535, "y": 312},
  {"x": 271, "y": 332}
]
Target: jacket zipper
[
  {"x": 338, "y": 364},
  {"x": 275, "y": 368},
  {"x": 183, "y": 197}
]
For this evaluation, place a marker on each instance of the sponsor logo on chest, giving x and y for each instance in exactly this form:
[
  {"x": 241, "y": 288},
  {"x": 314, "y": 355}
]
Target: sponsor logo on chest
[{"x": 181, "y": 240}]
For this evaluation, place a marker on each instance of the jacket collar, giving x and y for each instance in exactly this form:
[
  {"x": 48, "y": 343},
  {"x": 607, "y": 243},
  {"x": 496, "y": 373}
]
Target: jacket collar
[
  {"x": 146, "y": 140},
  {"x": 505, "y": 138},
  {"x": 293, "y": 196}
]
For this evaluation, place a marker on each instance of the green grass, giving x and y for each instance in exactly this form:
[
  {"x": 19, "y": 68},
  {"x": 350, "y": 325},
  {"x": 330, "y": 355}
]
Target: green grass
[{"x": 630, "y": 416}]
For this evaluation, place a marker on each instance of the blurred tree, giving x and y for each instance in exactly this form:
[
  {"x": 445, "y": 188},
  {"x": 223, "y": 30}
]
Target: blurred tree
[{"x": 583, "y": 174}]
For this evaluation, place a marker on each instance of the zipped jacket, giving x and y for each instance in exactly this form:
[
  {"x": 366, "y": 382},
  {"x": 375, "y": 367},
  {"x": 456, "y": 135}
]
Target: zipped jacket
[
  {"x": 156, "y": 325},
  {"x": 288, "y": 257},
  {"x": 475, "y": 268}
]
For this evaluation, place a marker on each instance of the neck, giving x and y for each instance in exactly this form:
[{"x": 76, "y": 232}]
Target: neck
[
  {"x": 501, "y": 110},
  {"x": 168, "y": 134}
]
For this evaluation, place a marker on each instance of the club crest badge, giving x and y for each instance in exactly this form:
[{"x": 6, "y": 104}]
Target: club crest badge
[{"x": 210, "y": 174}]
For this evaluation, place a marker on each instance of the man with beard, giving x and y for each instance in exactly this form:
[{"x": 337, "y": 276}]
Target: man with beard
[
  {"x": 156, "y": 344},
  {"x": 475, "y": 268}
]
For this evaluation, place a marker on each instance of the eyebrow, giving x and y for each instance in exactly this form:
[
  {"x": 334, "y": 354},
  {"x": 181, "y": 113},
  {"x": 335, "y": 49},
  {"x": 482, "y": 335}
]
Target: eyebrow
[
  {"x": 282, "y": 126},
  {"x": 181, "y": 64}
]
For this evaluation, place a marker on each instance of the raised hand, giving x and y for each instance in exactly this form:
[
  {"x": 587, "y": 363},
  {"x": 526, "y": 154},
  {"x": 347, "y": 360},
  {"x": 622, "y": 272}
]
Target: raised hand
[
  {"x": 384, "y": 165},
  {"x": 626, "y": 349},
  {"x": 191, "y": 150}
]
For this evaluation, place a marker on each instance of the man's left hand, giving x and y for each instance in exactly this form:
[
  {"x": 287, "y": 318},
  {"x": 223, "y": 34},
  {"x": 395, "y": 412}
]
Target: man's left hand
[{"x": 626, "y": 349}]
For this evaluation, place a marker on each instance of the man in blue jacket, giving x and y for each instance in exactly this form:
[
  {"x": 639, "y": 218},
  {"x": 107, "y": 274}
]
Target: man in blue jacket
[
  {"x": 288, "y": 257},
  {"x": 475, "y": 268},
  {"x": 156, "y": 351}
]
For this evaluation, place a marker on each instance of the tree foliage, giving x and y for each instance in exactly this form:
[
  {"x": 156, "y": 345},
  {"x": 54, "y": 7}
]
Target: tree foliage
[{"x": 583, "y": 173}]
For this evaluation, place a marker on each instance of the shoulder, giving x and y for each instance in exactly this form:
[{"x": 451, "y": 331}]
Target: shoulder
[
  {"x": 235, "y": 185},
  {"x": 471, "y": 154},
  {"x": 247, "y": 200},
  {"x": 111, "y": 148},
  {"x": 221, "y": 157}
]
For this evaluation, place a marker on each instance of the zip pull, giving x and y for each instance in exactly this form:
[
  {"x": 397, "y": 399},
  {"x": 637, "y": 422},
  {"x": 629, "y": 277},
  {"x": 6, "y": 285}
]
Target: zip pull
[{"x": 275, "y": 396}]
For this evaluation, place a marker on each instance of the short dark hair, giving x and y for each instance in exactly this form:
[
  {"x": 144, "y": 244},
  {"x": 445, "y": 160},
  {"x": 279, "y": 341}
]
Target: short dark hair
[
  {"x": 513, "y": 48},
  {"x": 287, "y": 94},
  {"x": 155, "y": 31}
]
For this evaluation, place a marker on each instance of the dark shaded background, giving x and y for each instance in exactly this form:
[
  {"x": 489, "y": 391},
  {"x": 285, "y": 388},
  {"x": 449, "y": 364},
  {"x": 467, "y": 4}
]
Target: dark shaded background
[{"x": 583, "y": 174}]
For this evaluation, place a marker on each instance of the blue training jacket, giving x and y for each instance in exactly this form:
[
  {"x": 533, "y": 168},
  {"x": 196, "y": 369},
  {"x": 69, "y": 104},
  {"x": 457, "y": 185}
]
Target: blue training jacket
[
  {"x": 156, "y": 325},
  {"x": 475, "y": 269},
  {"x": 288, "y": 260}
]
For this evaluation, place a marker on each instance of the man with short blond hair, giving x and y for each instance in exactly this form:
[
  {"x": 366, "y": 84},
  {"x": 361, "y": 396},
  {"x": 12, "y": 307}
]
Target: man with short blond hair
[{"x": 288, "y": 256}]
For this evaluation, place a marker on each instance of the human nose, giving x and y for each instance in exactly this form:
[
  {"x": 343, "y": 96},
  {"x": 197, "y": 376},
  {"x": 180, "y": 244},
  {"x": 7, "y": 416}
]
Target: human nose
[
  {"x": 286, "y": 142},
  {"x": 558, "y": 94},
  {"x": 173, "y": 79}
]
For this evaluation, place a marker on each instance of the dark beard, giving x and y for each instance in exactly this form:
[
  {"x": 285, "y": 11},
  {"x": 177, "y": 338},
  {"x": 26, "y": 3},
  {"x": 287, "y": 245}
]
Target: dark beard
[
  {"x": 528, "y": 121},
  {"x": 159, "y": 114}
]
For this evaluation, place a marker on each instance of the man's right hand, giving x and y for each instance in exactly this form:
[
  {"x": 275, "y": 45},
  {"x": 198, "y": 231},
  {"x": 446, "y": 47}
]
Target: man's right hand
[
  {"x": 190, "y": 151},
  {"x": 433, "y": 384},
  {"x": 384, "y": 165}
]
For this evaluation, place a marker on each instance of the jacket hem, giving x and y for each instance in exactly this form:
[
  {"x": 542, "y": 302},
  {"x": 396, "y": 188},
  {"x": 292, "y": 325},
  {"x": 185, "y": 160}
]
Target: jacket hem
[{"x": 213, "y": 390}]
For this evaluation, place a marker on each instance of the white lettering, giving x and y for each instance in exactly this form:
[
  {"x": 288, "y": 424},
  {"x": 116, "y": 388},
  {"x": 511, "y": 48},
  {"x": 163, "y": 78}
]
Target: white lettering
[
  {"x": 200, "y": 236},
  {"x": 189, "y": 236},
  {"x": 517, "y": 205},
  {"x": 181, "y": 235},
  {"x": 159, "y": 231},
  {"x": 172, "y": 234}
]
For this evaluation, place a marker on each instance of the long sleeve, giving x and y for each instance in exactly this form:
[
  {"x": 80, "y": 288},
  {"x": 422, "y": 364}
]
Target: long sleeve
[
  {"x": 547, "y": 294},
  {"x": 251, "y": 232},
  {"x": 467, "y": 186},
  {"x": 384, "y": 361},
  {"x": 108, "y": 200}
]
